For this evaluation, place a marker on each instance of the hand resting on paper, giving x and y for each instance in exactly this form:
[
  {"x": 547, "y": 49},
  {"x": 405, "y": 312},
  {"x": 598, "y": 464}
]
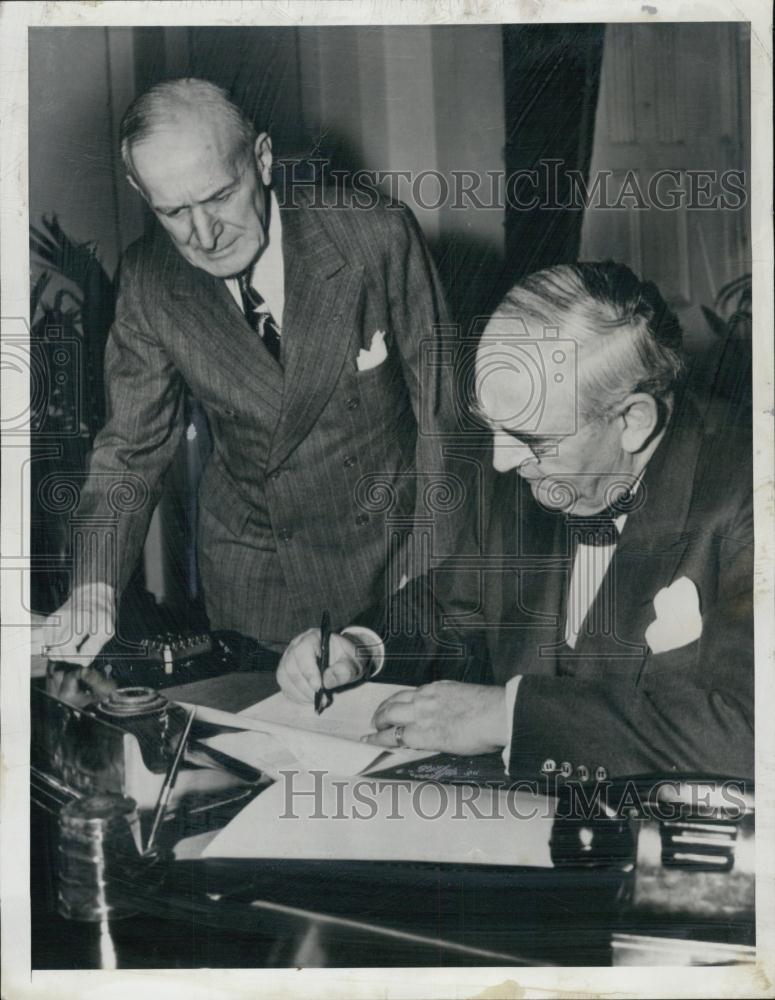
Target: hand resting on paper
[
  {"x": 445, "y": 716},
  {"x": 298, "y": 673}
]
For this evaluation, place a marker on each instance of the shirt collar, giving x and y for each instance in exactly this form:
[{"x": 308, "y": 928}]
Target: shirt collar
[
  {"x": 268, "y": 277},
  {"x": 268, "y": 274}
]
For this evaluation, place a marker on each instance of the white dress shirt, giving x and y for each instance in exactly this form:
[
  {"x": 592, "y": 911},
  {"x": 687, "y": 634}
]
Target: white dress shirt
[{"x": 268, "y": 276}]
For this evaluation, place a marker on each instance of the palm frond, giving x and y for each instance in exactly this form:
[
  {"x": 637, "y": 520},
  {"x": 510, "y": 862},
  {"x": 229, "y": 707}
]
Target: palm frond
[
  {"x": 717, "y": 325},
  {"x": 59, "y": 299},
  {"x": 73, "y": 260},
  {"x": 738, "y": 291},
  {"x": 36, "y": 294}
]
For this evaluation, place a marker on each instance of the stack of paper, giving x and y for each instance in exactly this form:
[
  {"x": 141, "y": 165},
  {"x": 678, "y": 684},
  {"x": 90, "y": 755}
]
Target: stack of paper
[
  {"x": 278, "y": 733},
  {"x": 312, "y": 815}
]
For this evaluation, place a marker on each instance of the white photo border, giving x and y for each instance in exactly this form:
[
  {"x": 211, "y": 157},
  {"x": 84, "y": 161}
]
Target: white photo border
[{"x": 19, "y": 983}]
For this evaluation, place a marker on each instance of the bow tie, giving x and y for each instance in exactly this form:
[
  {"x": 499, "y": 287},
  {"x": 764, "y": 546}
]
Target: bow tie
[{"x": 594, "y": 529}]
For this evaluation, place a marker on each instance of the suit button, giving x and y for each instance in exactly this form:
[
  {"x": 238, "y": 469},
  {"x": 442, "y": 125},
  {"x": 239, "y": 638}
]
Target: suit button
[
  {"x": 349, "y": 462},
  {"x": 548, "y": 766},
  {"x": 353, "y": 403},
  {"x": 362, "y": 519},
  {"x": 600, "y": 774},
  {"x": 276, "y": 474},
  {"x": 285, "y": 534},
  {"x": 566, "y": 769},
  {"x": 583, "y": 772}
]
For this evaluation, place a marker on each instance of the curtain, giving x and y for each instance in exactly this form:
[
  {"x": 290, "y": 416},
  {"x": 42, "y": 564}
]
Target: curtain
[{"x": 552, "y": 77}]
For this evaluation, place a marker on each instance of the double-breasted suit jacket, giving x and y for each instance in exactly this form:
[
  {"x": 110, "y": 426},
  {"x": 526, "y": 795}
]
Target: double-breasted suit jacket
[
  {"x": 612, "y": 701},
  {"x": 292, "y": 511}
]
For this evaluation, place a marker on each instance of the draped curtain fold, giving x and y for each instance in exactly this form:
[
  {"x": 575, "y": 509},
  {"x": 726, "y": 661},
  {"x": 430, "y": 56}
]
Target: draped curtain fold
[{"x": 552, "y": 80}]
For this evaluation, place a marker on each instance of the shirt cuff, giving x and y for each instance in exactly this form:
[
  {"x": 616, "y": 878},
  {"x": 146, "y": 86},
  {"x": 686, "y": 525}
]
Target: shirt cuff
[
  {"x": 510, "y": 699},
  {"x": 372, "y": 643}
]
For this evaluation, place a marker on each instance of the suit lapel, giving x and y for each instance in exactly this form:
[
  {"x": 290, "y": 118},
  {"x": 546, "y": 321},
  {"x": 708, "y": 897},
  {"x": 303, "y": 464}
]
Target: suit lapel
[
  {"x": 652, "y": 545},
  {"x": 322, "y": 293},
  {"x": 647, "y": 558},
  {"x": 545, "y": 589},
  {"x": 209, "y": 316},
  {"x": 500, "y": 589},
  {"x": 526, "y": 591}
]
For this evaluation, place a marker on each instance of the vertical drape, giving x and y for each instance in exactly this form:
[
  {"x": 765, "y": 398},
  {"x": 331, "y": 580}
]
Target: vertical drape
[{"x": 552, "y": 76}]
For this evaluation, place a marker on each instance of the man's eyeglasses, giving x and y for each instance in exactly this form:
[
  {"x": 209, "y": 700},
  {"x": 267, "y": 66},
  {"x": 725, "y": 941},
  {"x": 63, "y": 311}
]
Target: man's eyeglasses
[{"x": 541, "y": 445}]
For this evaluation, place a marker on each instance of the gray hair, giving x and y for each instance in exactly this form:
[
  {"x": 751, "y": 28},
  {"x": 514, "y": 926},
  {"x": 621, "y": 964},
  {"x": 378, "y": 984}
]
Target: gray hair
[
  {"x": 166, "y": 103},
  {"x": 632, "y": 340}
]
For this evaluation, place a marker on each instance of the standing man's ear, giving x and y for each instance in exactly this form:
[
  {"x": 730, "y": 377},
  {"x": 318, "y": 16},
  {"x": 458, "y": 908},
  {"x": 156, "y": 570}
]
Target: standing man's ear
[
  {"x": 133, "y": 183},
  {"x": 262, "y": 151},
  {"x": 639, "y": 419}
]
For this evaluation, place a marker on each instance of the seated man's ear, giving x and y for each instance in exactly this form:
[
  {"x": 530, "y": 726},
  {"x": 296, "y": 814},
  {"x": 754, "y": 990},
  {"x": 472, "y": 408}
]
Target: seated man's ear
[
  {"x": 639, "y": 419},
  {"x": 262, "y": 152}
]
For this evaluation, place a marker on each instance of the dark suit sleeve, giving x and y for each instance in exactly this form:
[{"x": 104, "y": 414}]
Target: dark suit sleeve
[
  {"x": 132, "y": 451},
  {"x": 690, "y": 711},
  {"x": 422, "y": 330},
  {"x": 418, "y": 643}
]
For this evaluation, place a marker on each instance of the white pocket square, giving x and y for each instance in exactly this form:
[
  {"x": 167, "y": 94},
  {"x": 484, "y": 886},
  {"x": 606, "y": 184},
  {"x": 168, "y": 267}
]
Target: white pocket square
[
  {"x": 678, "y": 620},
  {"x": 375, "y": 355}
]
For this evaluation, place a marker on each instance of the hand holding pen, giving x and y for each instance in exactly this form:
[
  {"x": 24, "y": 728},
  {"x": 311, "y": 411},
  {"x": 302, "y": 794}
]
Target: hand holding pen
[{"x": 318, "y": 662}]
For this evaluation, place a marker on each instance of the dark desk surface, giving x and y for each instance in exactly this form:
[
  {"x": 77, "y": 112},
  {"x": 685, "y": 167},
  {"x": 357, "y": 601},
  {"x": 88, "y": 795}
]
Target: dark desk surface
[{"x": 230, "y": 692}]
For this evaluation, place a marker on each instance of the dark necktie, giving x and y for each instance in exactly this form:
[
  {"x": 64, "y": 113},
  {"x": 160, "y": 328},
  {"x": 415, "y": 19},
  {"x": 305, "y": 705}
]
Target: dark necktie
[{"x": 259, "y": 316}]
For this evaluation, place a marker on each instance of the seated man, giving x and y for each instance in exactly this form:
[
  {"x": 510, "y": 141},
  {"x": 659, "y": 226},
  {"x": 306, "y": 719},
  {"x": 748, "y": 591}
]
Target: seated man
[{"x": 615, "y": 603}]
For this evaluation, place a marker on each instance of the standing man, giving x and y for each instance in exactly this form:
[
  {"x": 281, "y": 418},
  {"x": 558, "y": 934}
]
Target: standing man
[
  {"x": 615, "y": 589},
  {"x": 299, "y": 330}
]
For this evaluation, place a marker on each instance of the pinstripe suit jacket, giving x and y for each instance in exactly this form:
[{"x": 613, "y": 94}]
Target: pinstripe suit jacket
[{"x": 290, "y": 521}]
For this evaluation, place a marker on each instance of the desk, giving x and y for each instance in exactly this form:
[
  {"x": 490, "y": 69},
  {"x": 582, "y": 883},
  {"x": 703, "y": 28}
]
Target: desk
[
  {"x": 230, "y": 693},
  {"x": 328, "y": 913}
]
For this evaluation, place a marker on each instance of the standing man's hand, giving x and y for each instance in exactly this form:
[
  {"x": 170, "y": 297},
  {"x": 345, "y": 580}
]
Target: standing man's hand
[
  {"x": 299, "y": 675},
  {"x": 78, "y": 630},
  {"x": 445, "y": 716},
  {"x": 74, "y": 634}
]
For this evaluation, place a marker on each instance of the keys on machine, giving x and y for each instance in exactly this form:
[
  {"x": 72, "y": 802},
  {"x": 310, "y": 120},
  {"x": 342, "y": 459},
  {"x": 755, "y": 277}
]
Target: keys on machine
[
  {"x": 172, "y": 647},
  {"x": 172, "y": 658}
]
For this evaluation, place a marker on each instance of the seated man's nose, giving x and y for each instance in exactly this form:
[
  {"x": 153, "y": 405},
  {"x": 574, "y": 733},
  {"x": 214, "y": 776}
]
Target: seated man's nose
[
  {"x": 509, "y": 454},
  {"x": 506, "y": 458}
]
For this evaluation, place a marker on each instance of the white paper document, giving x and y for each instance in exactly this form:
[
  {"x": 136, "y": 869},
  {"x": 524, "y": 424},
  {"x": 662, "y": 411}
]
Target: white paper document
[
  {"x": 308, "y": 816},
  {"x": 280, "y": 733},
  {"x": 348, "y": 716}
]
